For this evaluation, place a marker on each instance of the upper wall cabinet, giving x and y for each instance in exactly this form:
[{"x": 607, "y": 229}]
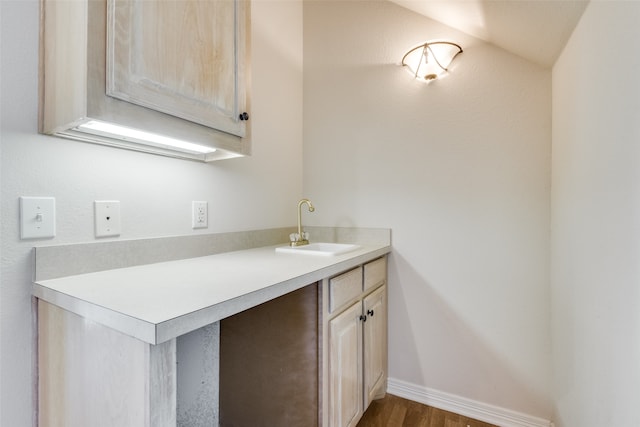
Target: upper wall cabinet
[{"x": 173, "y": 75}]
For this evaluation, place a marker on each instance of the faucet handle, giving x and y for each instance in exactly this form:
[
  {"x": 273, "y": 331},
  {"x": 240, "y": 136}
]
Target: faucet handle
[
  {"x": 293, "y": 237},
  {"x": 305, "y": 235}
]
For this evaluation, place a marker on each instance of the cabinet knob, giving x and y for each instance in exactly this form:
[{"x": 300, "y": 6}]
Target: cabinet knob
[
  {"x": 244, "y": 116},
  {"x": 363, "y": 317},
  {"x": 370, "y": 313}
]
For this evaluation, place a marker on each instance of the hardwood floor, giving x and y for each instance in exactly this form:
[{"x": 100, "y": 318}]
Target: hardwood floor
[{"x": 393, "y": 411}]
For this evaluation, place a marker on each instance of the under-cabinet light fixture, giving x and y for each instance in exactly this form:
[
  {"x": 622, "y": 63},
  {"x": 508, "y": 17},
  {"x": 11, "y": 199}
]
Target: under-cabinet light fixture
[
  {"x": 124, "y": 133},
  {"x": 430, "y": 59}
]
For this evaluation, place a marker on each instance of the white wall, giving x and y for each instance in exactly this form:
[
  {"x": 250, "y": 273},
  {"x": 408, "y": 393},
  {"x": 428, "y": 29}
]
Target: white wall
[
  {"x": 156, "y": 192},
  {"x": 595, "y": 249},
  {"x": 459, "y": 169}
]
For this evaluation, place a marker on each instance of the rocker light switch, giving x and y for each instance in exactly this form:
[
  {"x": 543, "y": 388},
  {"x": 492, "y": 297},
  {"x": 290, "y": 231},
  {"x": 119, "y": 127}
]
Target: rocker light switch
[{"x": 37, "y": 217}]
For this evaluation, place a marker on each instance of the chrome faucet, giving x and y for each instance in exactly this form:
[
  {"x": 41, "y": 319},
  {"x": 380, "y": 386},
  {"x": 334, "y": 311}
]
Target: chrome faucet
[{"x": 301, "y": 238}]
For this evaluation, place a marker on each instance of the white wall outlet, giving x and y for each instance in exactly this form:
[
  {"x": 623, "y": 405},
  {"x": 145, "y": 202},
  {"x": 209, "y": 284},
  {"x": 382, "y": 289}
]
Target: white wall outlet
[
  {"x": 199, "y": 215},
  {"x": 107, "y": 217},
  {"x": 37, "y": 217}
]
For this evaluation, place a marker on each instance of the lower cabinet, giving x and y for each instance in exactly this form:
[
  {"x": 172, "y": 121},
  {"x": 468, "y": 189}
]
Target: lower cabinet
[
  {"x": 92, "y": 375},
  {"x": 345, "y": 367},
  {"x": 355, "y": 343},
  {"x": 375, "y": 345},
  {"x": 313, "y": 357}
]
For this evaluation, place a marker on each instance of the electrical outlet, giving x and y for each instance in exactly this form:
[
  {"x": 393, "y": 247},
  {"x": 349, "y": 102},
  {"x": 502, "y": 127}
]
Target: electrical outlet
[
  {"x": 107, "y": 217},
  {"x": 199, "y": 215}
]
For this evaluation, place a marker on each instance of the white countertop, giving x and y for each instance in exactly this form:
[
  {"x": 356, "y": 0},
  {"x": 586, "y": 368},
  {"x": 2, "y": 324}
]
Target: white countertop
[{"x": 158, "y": 302}]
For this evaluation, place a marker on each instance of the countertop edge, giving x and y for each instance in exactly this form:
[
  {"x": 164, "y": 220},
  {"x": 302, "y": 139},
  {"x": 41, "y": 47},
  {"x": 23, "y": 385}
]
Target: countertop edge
[
  {"x": 195, "y": 320},
  {"x": 137, "y": 328},
  {"x": 157, "y": 333}
]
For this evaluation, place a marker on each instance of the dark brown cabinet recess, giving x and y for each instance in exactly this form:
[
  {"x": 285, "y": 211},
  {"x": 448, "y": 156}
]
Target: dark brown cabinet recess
[{"x": 269, "y": 363}]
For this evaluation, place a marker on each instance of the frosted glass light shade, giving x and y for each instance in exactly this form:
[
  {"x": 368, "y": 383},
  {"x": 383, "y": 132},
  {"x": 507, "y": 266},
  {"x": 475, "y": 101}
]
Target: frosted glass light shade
[{"x": 431, "y": 59}]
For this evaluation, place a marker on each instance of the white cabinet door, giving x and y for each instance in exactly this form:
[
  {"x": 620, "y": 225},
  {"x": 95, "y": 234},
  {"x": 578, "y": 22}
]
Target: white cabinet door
[
  {"x": 345, "y": 368},
  {"x": 375, "y": 345},
  {"x": 183, "y": 58}
]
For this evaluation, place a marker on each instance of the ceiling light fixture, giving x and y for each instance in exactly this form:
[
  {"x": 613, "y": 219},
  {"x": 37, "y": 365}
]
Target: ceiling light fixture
[{"x": 430, "y": 60}]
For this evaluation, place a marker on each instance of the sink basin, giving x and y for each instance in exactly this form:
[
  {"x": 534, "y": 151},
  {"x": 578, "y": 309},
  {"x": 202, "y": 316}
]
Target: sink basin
[{"x": 322, "y": 249}]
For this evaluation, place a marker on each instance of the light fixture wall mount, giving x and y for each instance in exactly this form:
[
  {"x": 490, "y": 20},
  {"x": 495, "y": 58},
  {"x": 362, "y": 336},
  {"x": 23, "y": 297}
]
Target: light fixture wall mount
[{"x": 430, "y": 60}]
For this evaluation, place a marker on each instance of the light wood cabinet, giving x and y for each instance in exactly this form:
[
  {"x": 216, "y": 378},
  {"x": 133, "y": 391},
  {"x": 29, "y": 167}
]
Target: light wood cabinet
[
  {"x": 355, "y": 343},
  {"x": 179, "y": 58},
  {"x": 91, "y": 375},
  {"x": 178, "y": 69},
  {"x": 345, "y": 367},
  {"x": 375, "y": 345}
]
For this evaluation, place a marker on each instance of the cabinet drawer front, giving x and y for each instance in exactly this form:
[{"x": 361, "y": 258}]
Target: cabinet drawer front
[
  {"x": 375, "y": 273},
  {"x": 344, "y": 288}
]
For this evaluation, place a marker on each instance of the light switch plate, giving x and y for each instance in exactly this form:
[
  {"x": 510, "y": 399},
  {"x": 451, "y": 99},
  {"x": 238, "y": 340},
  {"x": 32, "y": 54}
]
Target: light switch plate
[
  {"x": 107, "y": 217},
  {"x": 37, "y": 217}
]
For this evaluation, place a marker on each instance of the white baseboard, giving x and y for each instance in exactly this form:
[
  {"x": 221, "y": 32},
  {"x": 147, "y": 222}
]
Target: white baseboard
[{"x": 460, "y": 405}]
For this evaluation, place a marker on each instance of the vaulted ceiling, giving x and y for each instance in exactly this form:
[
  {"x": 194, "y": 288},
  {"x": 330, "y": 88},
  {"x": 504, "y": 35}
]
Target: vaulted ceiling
[{"x": 534, "y": 29}]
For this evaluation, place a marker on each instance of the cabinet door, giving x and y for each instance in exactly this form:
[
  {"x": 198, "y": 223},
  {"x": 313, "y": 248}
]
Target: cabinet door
[
  {"x": 183, "y": 58},
  {"x": 375, "y": 345},
  {"x": 345, "y": 368}
]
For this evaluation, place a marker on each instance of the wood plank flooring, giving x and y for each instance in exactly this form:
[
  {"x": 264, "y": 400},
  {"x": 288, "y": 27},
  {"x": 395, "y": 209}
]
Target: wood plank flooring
[{"x": 393, "y": 411}]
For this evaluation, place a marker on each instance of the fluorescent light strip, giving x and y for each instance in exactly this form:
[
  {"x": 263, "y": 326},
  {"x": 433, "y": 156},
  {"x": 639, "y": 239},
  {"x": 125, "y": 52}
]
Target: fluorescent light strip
[{"x": 142, "y": 137}]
